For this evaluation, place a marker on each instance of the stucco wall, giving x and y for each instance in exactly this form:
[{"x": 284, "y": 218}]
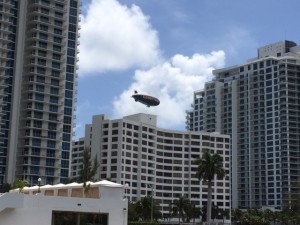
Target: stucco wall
[{"x": 22, "y": 209}]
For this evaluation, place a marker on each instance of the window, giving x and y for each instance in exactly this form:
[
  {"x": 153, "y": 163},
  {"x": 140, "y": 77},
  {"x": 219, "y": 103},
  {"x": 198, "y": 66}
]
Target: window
[
  {"x": 57, "y": 39},
  {"x": 41, "y": 62},
  {"x": 73, "y": 12},
  {"x": 68, "y": 102},
  {"x": 67, "y": 119},
  {"x": 56, "y": 48},
  {"x": 71, "y": 44},
  {"x": 42, "y": 53},
  {"x": 52, "y": 117},
  {"x": 55, "y": 65},
  {"x": 58, "y": 14},
  {"x": 68, "y": 94},
  {"x": 73, "y": 19},
  {"x": 51, "y": 144},
  {"x": 70, "y": 60},
  {"x": 45, "y": 11},
  {"x": 52, "y": 126},
  {"x": 54, "y": 91},
  {"x": 39, "y": 97},
  {"x": 66, "y": 137},
  {"x": 58, "y": 23},
  {"x": 52, "y": 134},
  {"x": 41, "y": 70},
  {"x": 68, "y": 111},
  {"x": 53, "y": 108},
  {"x": 43, "y": 27},
  {"x": 57, "y": 31},
  {"x": 42, "y": 44},
  {"x": 55, "y": 82},
  {"x": 69, "y": 85},
  {"x": 39, "y": 106},
  {"x": 56, "y": 56},
  {"x": 55, "y": 73},
  {"x": 44, "y": 19},
  {"x": 71, "y": 52},
  {"x": 40, "y": 88},
  {"x": 43, "y": 36},
  {"x": 65, "y": 146},
  {"x": 36, "y": 142},
  {"x": 54, "y": 99},
  {"x": 70, "y": 77}
]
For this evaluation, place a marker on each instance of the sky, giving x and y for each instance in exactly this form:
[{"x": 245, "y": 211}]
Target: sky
[{"x": 168, "y": 49}]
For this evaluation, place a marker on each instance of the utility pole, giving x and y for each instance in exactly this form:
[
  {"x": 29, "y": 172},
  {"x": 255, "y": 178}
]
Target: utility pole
[
  {"x": 152, "y": 203},
  {"x": 152, "y": 186}
]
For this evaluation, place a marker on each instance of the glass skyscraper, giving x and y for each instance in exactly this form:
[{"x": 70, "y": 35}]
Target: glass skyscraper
[{"x": 38, "y": 56}]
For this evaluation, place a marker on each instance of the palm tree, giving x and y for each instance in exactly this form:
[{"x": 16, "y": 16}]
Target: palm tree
[
  {"x": 209, "y": 165},
  {"x": 180, "y": 207},
  {"x": 144, "y": 207}
]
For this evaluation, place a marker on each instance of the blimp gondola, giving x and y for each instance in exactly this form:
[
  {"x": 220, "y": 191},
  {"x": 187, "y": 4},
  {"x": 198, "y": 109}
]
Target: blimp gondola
[{"x": 145, "y": 99}]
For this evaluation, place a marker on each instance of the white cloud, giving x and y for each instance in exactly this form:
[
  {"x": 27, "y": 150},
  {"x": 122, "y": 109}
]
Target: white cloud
[
  {"x": 173, "y": 82},
  {"x": 116, "y": 37}
]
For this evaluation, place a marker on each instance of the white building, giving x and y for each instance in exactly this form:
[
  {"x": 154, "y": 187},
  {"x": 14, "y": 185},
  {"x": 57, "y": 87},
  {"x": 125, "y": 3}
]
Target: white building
[
  {"x": 257, "y": 103},
  {"x": 38, "y": 57},
  {"x": 104, "y": 202},
  {"x": 154, "y": 161},
  {"x": 77, "y": 153}
]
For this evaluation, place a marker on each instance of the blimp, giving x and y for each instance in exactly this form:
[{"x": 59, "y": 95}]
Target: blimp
[{"x": 145, "y": 99}]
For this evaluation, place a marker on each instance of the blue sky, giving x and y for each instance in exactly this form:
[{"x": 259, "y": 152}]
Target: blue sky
[{"x": 168, "y": 48}]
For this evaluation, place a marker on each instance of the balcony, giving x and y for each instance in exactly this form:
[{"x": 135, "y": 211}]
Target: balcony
[{"x": 7, "y": 2}]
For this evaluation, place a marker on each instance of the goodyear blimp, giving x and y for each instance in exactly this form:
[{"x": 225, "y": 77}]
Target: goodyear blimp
[{"x": 145, "y": 99}]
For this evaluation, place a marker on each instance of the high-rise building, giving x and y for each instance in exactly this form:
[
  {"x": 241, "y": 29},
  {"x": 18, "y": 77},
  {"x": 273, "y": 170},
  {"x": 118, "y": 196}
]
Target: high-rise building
[
  {"x": 38, "y": 55},
  {"x": 153, "y": 161},
  {"x": 257, "y": 103}
]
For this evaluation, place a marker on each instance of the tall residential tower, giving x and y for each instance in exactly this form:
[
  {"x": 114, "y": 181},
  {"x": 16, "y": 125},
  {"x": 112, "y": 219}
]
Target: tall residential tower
[
  {"x": 257, "y": 103},
  {"x": 38, "y": 55}
]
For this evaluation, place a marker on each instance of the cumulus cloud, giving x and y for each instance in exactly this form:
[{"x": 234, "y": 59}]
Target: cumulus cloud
[
  {"x": 173, "y": 82},
  {"x": 116, "y": 37}
]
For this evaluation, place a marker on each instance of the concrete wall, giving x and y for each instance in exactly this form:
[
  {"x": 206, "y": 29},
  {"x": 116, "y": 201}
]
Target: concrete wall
[{"x": 18, "y": 208}]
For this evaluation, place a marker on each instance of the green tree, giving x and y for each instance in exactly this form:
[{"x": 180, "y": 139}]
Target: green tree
[
  {"x": 19, "y": 184},
  {"x": 269, "y": 215},
  {"x": 89, "y": 168},
  {"x": 88, "y": 171},
  {"x": 192, "y": 212},
  {"x": 181, "y": 207},
  {"x": 209, "y": 165},
  {"x": 236, "y": 215},
  {"x": 132, "y": 215},
  {"x": 143, "y": 209}
]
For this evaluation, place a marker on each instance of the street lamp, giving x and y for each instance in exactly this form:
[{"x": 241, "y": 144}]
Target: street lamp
[{"x": 39, "y": 184}]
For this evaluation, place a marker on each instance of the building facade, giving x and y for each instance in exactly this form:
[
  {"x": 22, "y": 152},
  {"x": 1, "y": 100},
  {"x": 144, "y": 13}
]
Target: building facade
[
  {"x": 154, "y": 161},
  {"x": 257, "y": 103},
  {"x": 78, "y": 148},
  {"x": 65, "y": 204},
  {"x": 38, "y": 40}
]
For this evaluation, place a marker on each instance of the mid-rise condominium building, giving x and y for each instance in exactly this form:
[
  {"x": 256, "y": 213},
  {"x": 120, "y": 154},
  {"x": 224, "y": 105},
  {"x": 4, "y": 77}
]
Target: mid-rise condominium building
[
  {"x": 38, "y": 55},
  {"x": 257, "y": 103},
  {"x": 154, "y": 161}
]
